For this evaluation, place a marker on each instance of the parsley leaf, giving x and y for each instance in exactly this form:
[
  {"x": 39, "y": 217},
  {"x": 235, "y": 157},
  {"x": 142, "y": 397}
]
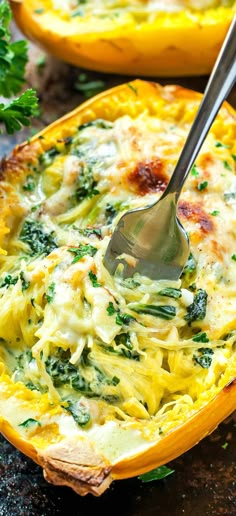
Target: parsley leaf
[
  {"x": 24, "y": 283},
  {"x": 13, "y": 79},
  {"x": 156, "y": 474},
  {"x": 13, "y": 59},
  {"x": 111, "y": 309},
  {"x": 93, "y": 279},
  {"x": 17, "y": 113},
  {"x": 201, "y": 337},
  {"x": 81, "y": 251},
  {"x": 51, "y": 292},
  {"x": 202, "y": 186},
  {"x": 120, "y": 318},
  {"x": 8, "y": 281}
]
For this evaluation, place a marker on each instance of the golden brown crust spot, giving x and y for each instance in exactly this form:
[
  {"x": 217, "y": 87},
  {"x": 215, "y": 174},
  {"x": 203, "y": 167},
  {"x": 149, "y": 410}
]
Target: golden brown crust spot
[
  {"x": 14, "y": 168},
  {"x": 148, "y": 177},
  {"x": 75, "y": 463},
  {"x": 195, "y": 212},
  {"x": 11, "y": 213},
  {"x": 219, "y": 250}
]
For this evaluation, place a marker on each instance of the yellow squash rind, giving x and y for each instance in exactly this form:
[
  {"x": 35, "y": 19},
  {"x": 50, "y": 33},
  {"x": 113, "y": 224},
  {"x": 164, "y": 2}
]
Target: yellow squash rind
[
  {"x": 175, "y": 44},
  {"x": 74, "y": 461}
]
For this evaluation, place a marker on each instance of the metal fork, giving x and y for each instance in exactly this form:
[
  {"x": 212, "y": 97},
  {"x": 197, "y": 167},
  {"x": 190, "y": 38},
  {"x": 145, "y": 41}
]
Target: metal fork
[{"x": 152, "y": 240}]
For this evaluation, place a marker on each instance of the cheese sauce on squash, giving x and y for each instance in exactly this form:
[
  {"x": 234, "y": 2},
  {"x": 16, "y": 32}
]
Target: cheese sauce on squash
[{"x": 92, "y": 348}]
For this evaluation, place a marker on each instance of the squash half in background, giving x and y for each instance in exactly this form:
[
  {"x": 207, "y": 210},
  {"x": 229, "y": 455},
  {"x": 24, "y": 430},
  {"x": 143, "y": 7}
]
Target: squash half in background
[
  {"x": 104, "y": 378},
  {"x": 143, "y": 37}
]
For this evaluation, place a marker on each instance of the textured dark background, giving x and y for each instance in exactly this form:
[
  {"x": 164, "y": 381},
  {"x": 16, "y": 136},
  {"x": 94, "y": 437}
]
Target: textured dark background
[{"x": 204, "y": 481}]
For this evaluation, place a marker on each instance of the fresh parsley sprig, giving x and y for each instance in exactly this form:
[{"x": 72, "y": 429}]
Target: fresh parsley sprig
[
  {"x": 17, "y": 113},
  {"x": 13, "y": 59}
]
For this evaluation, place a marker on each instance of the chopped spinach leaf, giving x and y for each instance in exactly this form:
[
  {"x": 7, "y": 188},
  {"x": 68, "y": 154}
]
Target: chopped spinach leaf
[
  {"x": 120, "y": 318},
  {"x": 194, "y": 171},
  {"x": 115, "y": 380},
  {"x": 156, "y": 474},
  {"x": 24, "y": 359},
  {"x": 51, "y": 292},
  {"x": 63, "y": 372},
  {"x": 227, "y": 166},
  {"x": 202, "y": 186},
  {"x": 204, "y": 359},
  {"x": 29, "y": 186},
  {"x": 89, "y": 231},
  {"x": 170, "y": 292},
  {"x": 126, "y": 347},
  {"x": 86, "y": 184},
  {"x": 81, "y": 251},
  {"x": 93, "y": 279},
  {"x": 220, "y": 144},
  {"x": 79, "y": 413},
  {"x": 24, "y": 284},
  {"x": 47, "y": 158},
  {"x": 37, "y": 239},
  {"x": 197, "y": 309},
  {"x": 123, "y": 339},
  {"x": 111, "y": 309},
  {"x": 8, "y": 281},
  {"x": 190, "y": 266},
  {"x": 130, "y": 283},
  {"x": 110, "y": 213},
  {"x": 123, "y": 318},
  {"x": 167, "y": 312},
  {"x": 201, "y": 337},
  {"x": 99, "y": 122},
  {"x": 30, "y": 422}
]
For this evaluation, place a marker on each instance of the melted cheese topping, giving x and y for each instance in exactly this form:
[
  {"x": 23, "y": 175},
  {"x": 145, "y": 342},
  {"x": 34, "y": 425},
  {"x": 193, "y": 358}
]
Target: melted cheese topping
[
  {"x": 136, "y": 8},
  {"x": 92, "y": 348}
]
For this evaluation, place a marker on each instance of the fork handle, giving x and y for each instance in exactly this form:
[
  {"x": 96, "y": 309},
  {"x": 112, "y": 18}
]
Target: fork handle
[{"x": 220, "y": 83}]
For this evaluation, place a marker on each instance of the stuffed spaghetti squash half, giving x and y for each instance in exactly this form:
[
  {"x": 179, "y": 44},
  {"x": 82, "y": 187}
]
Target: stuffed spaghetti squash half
[
  {"x": 104, "y": 378},
  {"x": 142, "y": 37}
]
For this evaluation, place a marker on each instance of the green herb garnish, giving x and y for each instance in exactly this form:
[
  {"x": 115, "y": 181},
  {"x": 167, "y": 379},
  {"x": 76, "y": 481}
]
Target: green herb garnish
[
  {"x": 156, "y": 474},
  {"x": 30, "y": 422},
  {"x": 94, "y": 280},
  {"x": 201, "y": 337},
  {"x": 170, "y": 292},
  {"x": 51, "y": 292},
  {"x": 167, "y": 312},
  {"x": 34, "y": 235},
  {"x": 197, "y": 309},
  {"x": 24, "y": 284},
  {"x": 202, "y": 186},
  {"x": 204, "y": 359},
  {"x": 81, "y": 251}
]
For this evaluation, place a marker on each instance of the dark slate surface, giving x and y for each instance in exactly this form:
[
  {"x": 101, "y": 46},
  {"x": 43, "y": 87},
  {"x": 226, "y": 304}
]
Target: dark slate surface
[
  {"x": 204, "y": 480},
  {"x": 203, "y": 484}
]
